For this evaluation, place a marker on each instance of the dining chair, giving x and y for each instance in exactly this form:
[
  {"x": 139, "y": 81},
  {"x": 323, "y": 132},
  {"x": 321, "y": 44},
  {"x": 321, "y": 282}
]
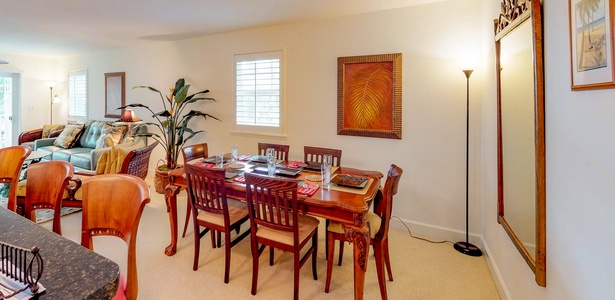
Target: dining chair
[
  {"x": 314, "y": 154},
  {"x": 113, "y": 205},
  {"x": 276, "y": 222},
  {"x": 212, "y": 210},
  {"x": 190, "y": 153},
  {"x": 281, "y": 151},
  {"x": 379, "y": 232},
  {"x": 135, "y": 163},
  {"x": 11, "y": 162},
  {"x": 45, "y": 187}
]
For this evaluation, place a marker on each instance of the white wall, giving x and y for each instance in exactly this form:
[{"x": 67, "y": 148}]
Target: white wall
[{"x": 34, "y": 91}]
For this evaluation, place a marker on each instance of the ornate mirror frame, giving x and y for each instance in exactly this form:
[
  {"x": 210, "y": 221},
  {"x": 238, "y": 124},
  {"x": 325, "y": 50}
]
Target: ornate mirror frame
[{"x": 513, "y": 14}]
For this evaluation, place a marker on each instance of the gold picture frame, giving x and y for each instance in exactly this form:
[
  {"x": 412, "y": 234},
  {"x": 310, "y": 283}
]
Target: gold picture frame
[
  {"x": 591, "y": 44},
  {"x": 369, "y": 95},
  {"x": 115, "y": 94}
]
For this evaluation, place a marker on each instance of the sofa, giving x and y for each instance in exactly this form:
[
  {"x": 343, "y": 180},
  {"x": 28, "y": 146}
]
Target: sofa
[
  {"x": 27, "y": 138},
  {"x": 83, "y": 149}
]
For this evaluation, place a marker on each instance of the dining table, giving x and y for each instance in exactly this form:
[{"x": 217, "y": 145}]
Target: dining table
[
  {"x": 70, "y": 271},
  {"x": 347, "y": 205}
]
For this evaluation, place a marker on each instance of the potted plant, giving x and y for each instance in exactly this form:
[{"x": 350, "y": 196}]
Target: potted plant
[{"x": 172, "y": 124}]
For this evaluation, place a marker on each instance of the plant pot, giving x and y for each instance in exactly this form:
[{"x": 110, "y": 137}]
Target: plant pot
[{"x": 161, "y": 180}]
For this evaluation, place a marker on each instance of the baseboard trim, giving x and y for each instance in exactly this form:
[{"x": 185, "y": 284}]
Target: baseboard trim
[{"x": 453, "y": 235}]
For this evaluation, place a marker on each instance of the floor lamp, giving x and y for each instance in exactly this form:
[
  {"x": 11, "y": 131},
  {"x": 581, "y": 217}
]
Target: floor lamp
[
  {"x": 52, "y": 99},
  {"x": 466, "y": 247}
]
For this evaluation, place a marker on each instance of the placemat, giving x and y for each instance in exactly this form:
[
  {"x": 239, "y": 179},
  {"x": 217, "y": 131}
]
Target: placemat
[{"x": 346, "y": 189}]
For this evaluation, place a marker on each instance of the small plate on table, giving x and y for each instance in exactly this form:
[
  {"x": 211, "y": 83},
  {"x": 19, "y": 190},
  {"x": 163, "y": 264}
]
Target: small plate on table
[
  {"x": 235, "y": 166},
  {"x": 313, "y": 178},
  {"x": 278, "y": 171},
  {"x": 313, "y": 166},
  {"x": 349, "y": 181},
  {"x": 214, "y": 159},
  {"x": 261, "y": 159}
]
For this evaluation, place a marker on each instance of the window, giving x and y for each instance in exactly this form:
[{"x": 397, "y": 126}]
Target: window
[
  {"x": 78, "y": 95},
  {"x": 258, "y": 93}
]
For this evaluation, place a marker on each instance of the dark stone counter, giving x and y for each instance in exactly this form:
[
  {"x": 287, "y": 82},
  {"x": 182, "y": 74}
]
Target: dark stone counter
[{"x": 70, "y": 270}]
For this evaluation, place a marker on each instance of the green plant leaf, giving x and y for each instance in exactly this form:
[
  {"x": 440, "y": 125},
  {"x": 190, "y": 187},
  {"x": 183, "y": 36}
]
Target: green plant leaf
[
  {"x": 192, "y": 100},
  {"x": 181, "y": 94},
  {"x": 132, "y": 105},
  {"x": 165, "y": 114},
  {"x": 178, "y": 85},
  {"x": 145, "y": 87},
  {"x": 192, "y": 96}
]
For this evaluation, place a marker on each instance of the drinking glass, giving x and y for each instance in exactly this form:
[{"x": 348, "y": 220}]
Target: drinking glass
[
  {"x": 270, "y": 162},
  {"x": 234, "y": 153},
  {"x": 220, "y": 161},
  {"x": 325, "y": 170}
]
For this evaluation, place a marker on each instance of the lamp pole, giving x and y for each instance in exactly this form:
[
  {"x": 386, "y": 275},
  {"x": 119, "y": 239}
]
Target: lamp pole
[
  {"x": 51, "y": 101},
  {"x": 466, "y": 247},
  {"x": 51, "y": 84}
]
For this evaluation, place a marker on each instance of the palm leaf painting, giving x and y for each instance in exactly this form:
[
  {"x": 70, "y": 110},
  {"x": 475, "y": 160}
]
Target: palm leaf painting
[{"x": 367, "y": 95}]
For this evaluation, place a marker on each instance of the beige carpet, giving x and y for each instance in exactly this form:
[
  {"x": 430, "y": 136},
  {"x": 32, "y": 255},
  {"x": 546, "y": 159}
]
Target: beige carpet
[{"x": 421, "y": 270}]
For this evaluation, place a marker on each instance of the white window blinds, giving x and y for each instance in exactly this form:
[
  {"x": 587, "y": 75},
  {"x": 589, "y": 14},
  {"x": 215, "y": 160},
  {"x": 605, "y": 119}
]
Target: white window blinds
[
  {"x": 78, "y": 94},
  {"x": 258, "y": 91}
]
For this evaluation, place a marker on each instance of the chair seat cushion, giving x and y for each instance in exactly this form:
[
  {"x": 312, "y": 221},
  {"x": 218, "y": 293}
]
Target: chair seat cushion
[
  {"x": 237, "y": 210},
  {"x": 307, "y": 225},
  {"x": 374, "y": 224}
]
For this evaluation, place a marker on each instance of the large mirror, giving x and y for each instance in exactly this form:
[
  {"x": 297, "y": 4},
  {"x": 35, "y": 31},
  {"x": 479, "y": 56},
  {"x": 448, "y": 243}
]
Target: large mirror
[{"x": 521, "y": 137}]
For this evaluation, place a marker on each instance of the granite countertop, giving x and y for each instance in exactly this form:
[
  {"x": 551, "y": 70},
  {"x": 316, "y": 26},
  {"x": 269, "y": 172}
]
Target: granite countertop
[{"x": 70, "y": 270}]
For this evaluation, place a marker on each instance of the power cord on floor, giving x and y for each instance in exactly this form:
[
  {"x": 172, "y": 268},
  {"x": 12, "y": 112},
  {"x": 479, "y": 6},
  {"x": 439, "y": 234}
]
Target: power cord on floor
[{"x": 419, "y": 238}]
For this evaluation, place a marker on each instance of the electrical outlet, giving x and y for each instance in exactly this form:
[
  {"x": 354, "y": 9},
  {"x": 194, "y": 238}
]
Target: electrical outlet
[{"x": 30, "y": 107}]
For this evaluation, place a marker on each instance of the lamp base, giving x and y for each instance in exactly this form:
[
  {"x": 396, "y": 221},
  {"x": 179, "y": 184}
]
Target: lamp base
[{"x": 468, "y": 249}]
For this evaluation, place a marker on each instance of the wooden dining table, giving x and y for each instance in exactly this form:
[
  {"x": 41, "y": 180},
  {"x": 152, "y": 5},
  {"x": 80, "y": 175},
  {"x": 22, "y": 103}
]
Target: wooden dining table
[{"x": 345, "y": 205}]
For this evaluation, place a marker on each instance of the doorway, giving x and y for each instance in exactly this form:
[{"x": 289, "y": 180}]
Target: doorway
[{"x": 9, "y": 103}]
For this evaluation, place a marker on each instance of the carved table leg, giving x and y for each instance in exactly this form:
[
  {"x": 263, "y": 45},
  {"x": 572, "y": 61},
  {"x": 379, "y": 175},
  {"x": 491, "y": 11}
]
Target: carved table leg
[
  {"x": 170, "y": 193},
  {"x": 358, "y": 234}
]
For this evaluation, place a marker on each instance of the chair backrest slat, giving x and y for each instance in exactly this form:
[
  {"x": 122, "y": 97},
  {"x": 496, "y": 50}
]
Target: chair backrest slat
[
  {"x": 272, "y": 202},
  {"x": 314, "y": 154},
  {"x": 207, "y": 189},
  {"x": 193, "y": 152},
  {"x": 281, "y": 151},
  {"x": 385, "y": 206}
]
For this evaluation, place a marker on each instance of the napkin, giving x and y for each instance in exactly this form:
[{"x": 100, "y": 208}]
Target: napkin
[
  {"x": 239, "y": 179},
  {"x": 308, "y": 189},
  {"x": 200, "y": 163},
  {"x": 294, "y": 164},
  {"x": 243, "y": 157}
]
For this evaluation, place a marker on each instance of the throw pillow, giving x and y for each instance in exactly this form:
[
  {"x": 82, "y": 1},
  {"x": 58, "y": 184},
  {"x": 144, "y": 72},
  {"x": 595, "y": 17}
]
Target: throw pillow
[
  {"x": 110, "y": 135},
  {"x": 69, "y": 136},
  {"x": 48, "y": 129}
]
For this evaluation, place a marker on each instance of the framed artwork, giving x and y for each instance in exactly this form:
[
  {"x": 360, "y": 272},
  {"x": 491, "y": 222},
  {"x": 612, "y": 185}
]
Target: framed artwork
[
  {"x": 369, "y": 96},
  {"x": 591, "y": 44},
  {"x": 115, "y": 92}
]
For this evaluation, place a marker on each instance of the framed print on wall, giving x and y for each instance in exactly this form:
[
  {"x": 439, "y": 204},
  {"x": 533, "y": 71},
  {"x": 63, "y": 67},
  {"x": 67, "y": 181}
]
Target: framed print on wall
[
  {"x": 115, "y": 92},
  {"x": 591, "y": 44},
  {"x": 369, "y": 95}
]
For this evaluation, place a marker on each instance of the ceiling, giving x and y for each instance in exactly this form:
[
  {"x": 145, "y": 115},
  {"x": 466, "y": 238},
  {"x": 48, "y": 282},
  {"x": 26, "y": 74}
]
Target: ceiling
[{"x": 63, "y": 28}]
